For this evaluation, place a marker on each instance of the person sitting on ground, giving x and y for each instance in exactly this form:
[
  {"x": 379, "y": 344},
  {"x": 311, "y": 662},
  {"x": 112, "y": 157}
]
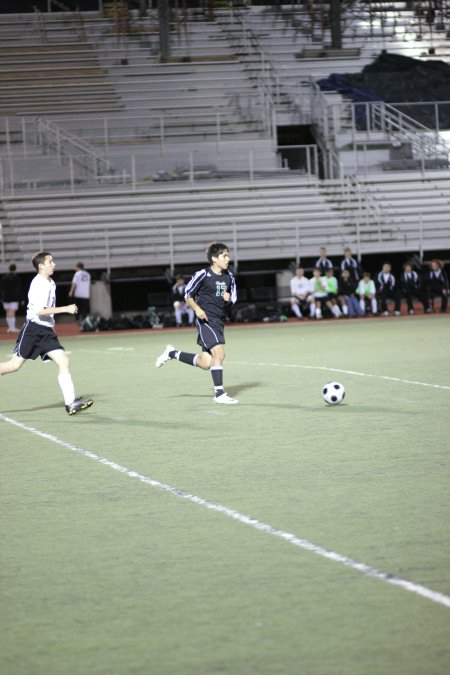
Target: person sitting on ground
[
  {"x": 367, "y": 294},
  {"x": 347, "y": 295},
  {"x": 300, "y": 291},
  {"x": 387, "y": 290},
  {"x": 332, "y": 290},
  {"x": 351, "y": 264},
  {"x": 410, "y": 287},
  {"x": 437, "y": 284},
  {"x": 323, "y": 263},
  {"x": 179, "y": 303}
]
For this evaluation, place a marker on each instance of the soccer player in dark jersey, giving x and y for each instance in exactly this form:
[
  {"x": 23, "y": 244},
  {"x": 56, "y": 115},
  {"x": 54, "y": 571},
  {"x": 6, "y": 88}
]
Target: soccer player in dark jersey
[{"x": 208, "y": 293}]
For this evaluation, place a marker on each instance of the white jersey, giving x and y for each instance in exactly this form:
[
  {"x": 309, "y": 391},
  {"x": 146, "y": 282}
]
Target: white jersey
[
  {"x": 82, "y": 281},
  {"x": 42, "y": 294},
  {"x": 299, "y": 286},
  {"x": 366, "y": 288}
]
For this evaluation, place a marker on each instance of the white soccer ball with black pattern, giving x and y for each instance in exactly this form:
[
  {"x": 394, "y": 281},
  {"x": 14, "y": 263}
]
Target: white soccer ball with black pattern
[{"x": 333, "y": 393}]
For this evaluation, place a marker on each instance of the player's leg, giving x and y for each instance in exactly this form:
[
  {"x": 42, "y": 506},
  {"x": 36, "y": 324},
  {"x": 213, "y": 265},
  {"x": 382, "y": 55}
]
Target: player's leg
[
  {"x": 218, "y": 356},
  {"x": 11, "y": 366},
  {"x": 10, "y": 311},
  {"x": 73, "y": 405},
  {"x": 178, "y": 315},
  {"x": 295, "y": 308}
]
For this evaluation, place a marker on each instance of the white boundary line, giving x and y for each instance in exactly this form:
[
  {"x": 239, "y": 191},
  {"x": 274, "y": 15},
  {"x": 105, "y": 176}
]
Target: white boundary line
[
  {"x": 366, "y": 570},
  {"x": 340, "y": 370}
]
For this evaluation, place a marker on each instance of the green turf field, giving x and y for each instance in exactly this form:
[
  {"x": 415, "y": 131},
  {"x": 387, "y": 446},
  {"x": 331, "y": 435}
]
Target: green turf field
[{"x": 105, "y": 574}]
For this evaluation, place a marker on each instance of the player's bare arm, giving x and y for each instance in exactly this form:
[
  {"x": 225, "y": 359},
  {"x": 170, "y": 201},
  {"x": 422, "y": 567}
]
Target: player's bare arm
[
  {"x": 199, "y": 312},
  {"x": 66, "y": 309}
]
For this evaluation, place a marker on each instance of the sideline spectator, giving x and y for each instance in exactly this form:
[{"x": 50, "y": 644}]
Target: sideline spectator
[
  {"x": 437, "y": 284},
  {"x": 332, "y": 289},
  {"x": 410, "y": 287},
  {"x": 300, "y": 291},
  {"x": 11, "y": 293},
  {"x": 80, "y": 290},
  {"x": 323, "y": 263},
  {"x": 367, "y": 293},
  {"x": 347, "y": 298},
  {"x": 318, "y": 294},
  {"x": 179, "y": 303},
  {"x": 387, "y": 290},
  {"x": 351, "y": 264}
]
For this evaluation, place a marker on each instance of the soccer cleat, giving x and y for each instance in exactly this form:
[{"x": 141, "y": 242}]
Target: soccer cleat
[
  {"x": 224, "y": 398},
  {"x": 78, "y": 405},
  {"x": 164, "y": 357}
]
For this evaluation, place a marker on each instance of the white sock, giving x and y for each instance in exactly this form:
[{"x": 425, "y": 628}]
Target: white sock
[
  {"x": 318, "y": 313},
  {"x": 345, "y": 310},
  {"x": 336, "y": 311},
  {"x": 11, "y": 321},
  {"x": 362, "y": 304},
  {"x": 67, "y": 388},
  {"x": 296, "y": 310},
  {"x": 374, "y": 306}
]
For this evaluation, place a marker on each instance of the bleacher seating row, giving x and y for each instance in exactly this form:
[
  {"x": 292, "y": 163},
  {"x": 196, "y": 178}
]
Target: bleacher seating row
[{"x": 271, "y": 219}]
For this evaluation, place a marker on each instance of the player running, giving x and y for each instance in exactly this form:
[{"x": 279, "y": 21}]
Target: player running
[
  {"x": 37, "y": 336},
  {"x": 207, "y": 293}
]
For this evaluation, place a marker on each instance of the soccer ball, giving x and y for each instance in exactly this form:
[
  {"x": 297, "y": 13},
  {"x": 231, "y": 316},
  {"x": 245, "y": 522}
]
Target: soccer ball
[{"x": 333, "y": 393}]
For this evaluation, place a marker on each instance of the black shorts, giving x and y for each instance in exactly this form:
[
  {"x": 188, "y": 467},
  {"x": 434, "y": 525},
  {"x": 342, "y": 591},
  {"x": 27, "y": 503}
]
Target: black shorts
[
  {"x": 210, "y": 334},
  {"x": 35, "y": 340}
]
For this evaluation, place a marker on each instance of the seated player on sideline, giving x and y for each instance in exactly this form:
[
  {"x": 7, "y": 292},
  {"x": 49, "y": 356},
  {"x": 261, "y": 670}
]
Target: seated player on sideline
[
  {"x": 37, "y": 336},
  {"x": 207, "y": 293}
]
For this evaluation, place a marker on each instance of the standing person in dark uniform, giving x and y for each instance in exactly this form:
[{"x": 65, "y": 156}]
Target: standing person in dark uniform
[
  {"x": 387, "y": 290},
  {"x": 323, "y": 263},
  {"x": 11, "y": 293},
  {"x": 437, "y": 283},
  {"x": 351, "y": 264},
  {"x": 37, "y": 336},
  {"x": 208, "y": 293},
  {"x": 410, "y": 288}
]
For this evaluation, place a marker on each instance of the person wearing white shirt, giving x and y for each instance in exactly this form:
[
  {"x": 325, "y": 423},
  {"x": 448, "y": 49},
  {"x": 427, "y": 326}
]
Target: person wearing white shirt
[
  {"x": 37, "y": 336},
  {"x": 80, "y": 290},
  {"x": 367, "y": 293},
  {"x": 300, "y": 292}
]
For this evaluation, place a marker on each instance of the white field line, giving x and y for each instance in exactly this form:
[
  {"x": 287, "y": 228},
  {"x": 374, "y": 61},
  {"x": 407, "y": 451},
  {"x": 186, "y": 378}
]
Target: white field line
[
  {"x": 340, "y": 370},
  {"x": 366, "y": 570}
]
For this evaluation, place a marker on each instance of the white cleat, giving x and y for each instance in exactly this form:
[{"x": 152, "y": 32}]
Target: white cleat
[
  {"x": 224, "y": 398},
  {"x": 164, "y": 357}
]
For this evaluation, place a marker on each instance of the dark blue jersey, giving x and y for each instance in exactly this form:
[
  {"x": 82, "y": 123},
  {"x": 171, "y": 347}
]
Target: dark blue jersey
[{"x": 207, "y": 289}]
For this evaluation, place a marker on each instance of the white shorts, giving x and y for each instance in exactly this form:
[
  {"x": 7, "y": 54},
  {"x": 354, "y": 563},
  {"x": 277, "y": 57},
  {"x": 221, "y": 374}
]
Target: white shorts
[{"x": 11, "y": 305}]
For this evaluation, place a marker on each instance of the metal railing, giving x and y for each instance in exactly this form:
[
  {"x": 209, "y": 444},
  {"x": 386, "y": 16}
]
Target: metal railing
[{"x": 54, "y": 139}]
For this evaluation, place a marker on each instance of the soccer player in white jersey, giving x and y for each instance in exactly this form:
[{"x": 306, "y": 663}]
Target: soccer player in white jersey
[
  {"x": 208, "y": 293},
  {"x": 300, "y": 291},
  {"x": 37, "y": 336},
  {"x": 80, "y": 290}
]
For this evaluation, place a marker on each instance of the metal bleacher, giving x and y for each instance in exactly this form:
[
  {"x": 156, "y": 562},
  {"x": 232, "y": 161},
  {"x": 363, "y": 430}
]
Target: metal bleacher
[{"x": 113, "y": 157}]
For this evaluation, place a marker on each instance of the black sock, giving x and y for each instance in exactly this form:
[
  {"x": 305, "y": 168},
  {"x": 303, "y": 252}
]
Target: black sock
[
  {"x": 217, "y": 376},
  {"x": 184, "y": 357}
]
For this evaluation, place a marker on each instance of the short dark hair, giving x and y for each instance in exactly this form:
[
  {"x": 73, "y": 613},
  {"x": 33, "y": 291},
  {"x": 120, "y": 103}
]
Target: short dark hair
[
  {"x": 215, "y": 249},
  {"x": 39, "y": 259},
  {"x": 12, "y": 267},
  {"x": 80, "y": 265}
]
